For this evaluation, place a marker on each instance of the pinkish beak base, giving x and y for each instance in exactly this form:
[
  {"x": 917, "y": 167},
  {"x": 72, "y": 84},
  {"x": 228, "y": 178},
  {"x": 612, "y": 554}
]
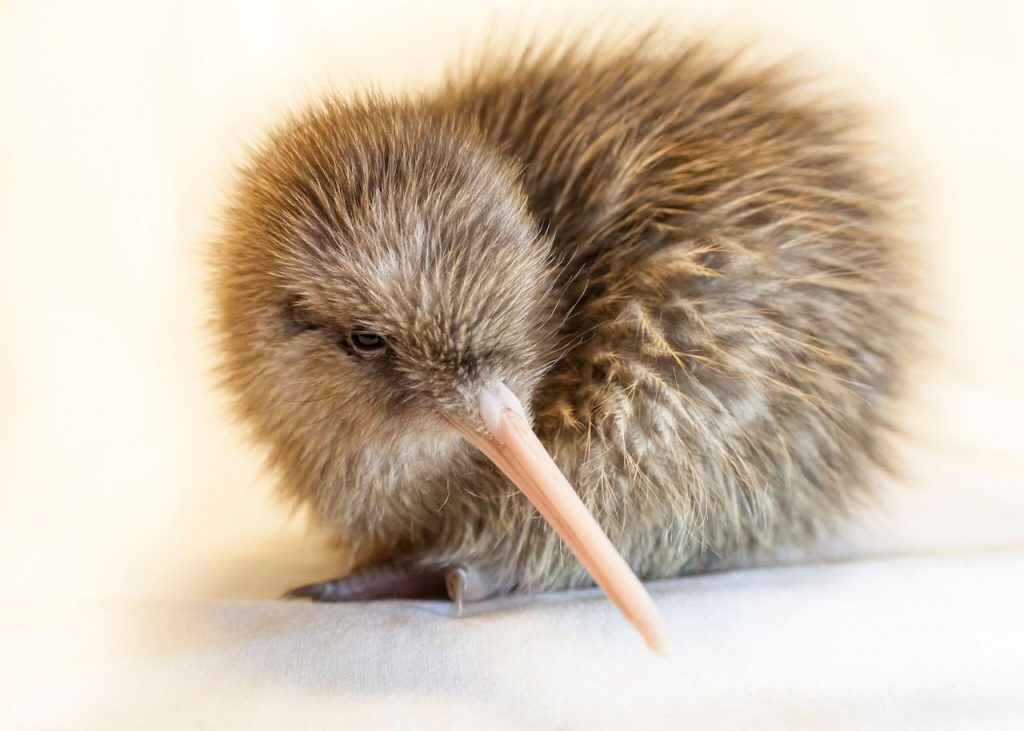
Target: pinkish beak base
[{"x": 514, "y": 449}]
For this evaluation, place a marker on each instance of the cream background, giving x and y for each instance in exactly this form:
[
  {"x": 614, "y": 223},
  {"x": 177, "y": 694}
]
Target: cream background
[{"x": 140, "y": 543}]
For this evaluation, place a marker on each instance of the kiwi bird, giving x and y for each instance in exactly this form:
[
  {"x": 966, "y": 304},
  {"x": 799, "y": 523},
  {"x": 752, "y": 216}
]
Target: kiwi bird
[{"x": 574, "y": 315}]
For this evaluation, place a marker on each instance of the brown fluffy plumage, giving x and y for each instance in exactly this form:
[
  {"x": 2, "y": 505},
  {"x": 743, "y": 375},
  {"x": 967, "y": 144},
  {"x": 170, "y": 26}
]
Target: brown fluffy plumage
[{"x": 688, "y": 270}]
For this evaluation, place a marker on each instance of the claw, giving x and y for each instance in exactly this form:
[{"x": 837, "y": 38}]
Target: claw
[
  {"x": 455, "y": 582},
  {"x": 315, "y": 592}
]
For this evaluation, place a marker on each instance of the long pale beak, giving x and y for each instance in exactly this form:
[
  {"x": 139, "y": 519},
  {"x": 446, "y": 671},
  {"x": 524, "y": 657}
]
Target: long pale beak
[{"x": 513, "y": 447}]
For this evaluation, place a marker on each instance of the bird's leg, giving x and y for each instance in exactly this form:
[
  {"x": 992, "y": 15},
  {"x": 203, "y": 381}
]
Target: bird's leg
[
  {"x": 402, "y": 580},
  {"x": 398, "y": 580}
]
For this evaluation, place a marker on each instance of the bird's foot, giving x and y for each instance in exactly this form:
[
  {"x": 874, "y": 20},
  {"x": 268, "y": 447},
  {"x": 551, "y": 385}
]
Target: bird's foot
[{"x": 404, "y": 580}]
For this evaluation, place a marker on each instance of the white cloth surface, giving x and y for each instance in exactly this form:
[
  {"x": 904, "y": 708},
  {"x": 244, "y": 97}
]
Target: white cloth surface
[
  {"x": 900, "y": 643},
  {"x": 141, "y": 547}
]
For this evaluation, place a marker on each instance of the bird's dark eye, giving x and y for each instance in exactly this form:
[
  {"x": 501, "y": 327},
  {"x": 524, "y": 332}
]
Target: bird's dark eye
[{"x": 366, "y": 342}]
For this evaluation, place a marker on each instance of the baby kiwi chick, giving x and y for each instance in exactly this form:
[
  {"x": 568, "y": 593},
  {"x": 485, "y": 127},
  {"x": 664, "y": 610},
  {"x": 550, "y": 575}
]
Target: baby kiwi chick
[{"x": 683, "y": 275}]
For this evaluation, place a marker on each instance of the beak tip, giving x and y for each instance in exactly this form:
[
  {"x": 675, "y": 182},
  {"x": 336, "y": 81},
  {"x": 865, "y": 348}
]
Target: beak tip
[
  {"x": 659, "y": 647},
  {"x": 656, "y": 638}
]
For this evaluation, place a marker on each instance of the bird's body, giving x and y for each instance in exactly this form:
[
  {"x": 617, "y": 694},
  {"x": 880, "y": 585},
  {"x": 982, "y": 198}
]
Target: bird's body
[{"x": 702, "y": 279}]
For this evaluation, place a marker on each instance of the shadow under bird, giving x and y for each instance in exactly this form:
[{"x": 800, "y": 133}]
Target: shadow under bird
[{"x": 649, "y": 294}]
